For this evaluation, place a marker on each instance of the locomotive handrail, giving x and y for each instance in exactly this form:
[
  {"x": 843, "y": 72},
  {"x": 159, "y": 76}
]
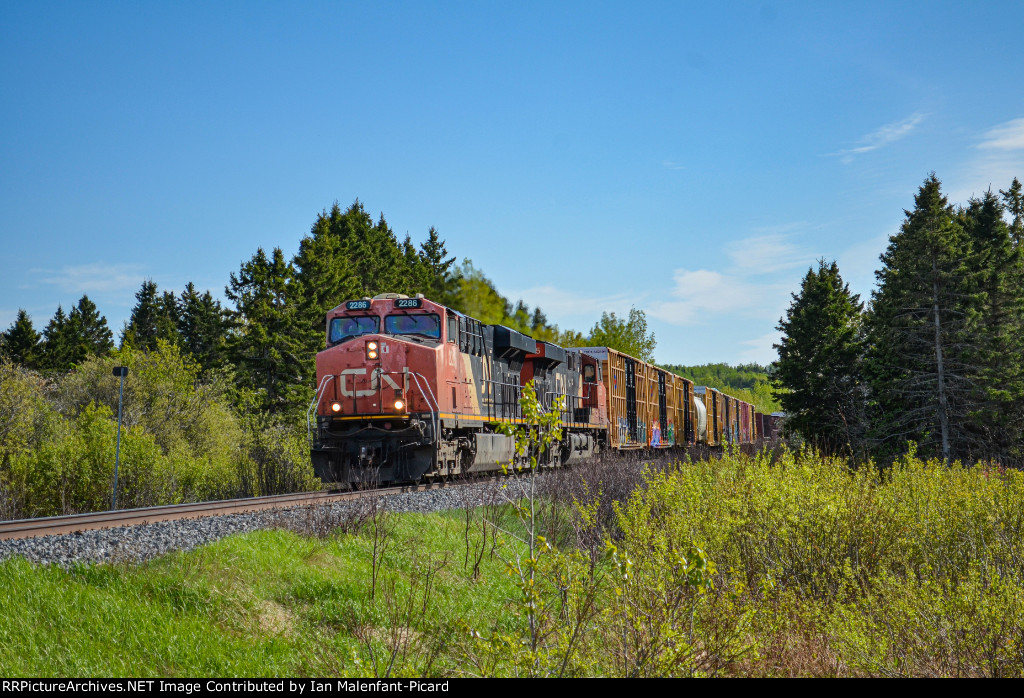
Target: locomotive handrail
[
  {"x": 572, "y": 402},
  {"x": 321, "y": 389},
  {"x": 516, "y": 391},
  {"x": 435, "y": 413}
]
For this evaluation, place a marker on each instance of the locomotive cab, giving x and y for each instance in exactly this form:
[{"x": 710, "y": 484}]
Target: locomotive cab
[{"x": 376, "y": 412}]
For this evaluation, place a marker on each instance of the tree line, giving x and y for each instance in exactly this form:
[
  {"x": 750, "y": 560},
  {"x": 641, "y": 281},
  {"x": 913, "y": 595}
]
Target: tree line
[
  {"x": 268, "y": 333},
  {"x": 748, "y": 382},
  {"x": 936, "y": 357}
]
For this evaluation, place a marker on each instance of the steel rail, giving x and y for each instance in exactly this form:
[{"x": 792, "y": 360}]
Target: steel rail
[{"x": 74, "y": 523}]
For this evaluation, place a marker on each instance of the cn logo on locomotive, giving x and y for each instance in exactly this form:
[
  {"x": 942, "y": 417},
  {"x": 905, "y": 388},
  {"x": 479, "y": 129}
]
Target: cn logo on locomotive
[{"x": 374, "y": 382}]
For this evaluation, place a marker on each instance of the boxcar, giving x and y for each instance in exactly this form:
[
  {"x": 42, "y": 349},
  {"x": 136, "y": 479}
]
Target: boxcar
[{"x": 648, "y": 407}]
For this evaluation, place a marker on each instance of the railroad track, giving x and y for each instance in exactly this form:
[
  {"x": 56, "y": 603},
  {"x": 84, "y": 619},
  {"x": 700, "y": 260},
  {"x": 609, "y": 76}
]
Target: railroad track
[{"x": 51, "y": 525}]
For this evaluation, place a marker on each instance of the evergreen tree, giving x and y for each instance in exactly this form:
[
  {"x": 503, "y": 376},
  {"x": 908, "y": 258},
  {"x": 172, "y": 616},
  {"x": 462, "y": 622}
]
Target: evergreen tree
[
  {"x": 521, "y": 317},
  {"x": 93, "y": 335},
  {"x": 376, "y": 260},
  {"x": 154, "y": 317},
  {"x": 266, "y": 345},
  {"x": 441, "y": 281},
  {"x": 818, "y": 372},
  {"x": 70, "y": 339},
  {"x": 919, "y": 336},
  {"x": 21, "y": 342},
  {"x": 538, "y": 321},
  {"x": 995, "y": 270},
  {"x": 1013, "y": 199},
  {"x": 202, "y": 327},
  {"x": 628, "y": 335},
  {"x": 419, "y": 281},
  {"x": 61, "y": 345},
  {"x": 323, "y": 279}
]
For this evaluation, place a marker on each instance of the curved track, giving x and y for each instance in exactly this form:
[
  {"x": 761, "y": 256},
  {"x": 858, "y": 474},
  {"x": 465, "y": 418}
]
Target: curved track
[{"x": 51, "y": 525}]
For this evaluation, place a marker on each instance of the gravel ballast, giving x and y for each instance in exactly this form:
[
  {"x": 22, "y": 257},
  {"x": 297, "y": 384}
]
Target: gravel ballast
[{"x": 135, "y": 544}]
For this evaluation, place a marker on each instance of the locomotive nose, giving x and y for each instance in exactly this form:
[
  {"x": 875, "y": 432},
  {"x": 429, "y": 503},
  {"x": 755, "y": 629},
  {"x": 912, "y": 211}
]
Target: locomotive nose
[{"x": 372, "y": 376}]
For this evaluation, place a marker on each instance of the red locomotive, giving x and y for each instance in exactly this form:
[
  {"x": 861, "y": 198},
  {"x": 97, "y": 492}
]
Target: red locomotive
[{"x": 409, "y": 389}]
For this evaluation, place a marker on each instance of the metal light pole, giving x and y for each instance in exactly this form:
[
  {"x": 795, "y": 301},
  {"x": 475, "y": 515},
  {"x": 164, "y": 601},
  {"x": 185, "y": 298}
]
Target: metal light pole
[{"x": 121, "y": 371}]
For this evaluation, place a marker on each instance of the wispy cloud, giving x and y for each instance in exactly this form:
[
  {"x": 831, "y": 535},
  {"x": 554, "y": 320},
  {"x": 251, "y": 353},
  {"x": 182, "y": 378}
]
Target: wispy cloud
[
  {"x": 700, "y": 295},
  {"x": 1008, "y": 136},
  {"x": 999, "y": 159},
  {"x": 890, "y": 133},
  {"x": 703, "y": 296},
  {"x": 747, "y": 287},
  {"x": 95, "y": 277},
  {"x": 765, "y": 254},
  {"x": 670, "y": 165}
]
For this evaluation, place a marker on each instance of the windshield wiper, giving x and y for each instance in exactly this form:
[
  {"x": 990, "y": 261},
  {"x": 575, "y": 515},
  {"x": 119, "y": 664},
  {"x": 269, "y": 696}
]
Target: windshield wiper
[{"x": 421, "y": 334}]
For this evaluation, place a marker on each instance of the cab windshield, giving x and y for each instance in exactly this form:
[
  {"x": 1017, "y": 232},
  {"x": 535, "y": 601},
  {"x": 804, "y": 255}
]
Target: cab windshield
[
  {"x": 424, "y": 325},
  {"x": 343, "y": 328}
]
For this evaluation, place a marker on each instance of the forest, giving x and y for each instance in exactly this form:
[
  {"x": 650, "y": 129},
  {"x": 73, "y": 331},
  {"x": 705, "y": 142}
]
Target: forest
[{"x": 935, "y": 358}]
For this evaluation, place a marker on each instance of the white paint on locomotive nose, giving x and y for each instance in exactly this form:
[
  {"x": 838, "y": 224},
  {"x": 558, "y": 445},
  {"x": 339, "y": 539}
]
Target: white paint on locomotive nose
[{"x": 375, "y": 379}]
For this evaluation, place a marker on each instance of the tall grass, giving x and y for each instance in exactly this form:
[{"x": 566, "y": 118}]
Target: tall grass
[
  {"x": 914, "y": 570},
  {"x": 775, "y": 564}
]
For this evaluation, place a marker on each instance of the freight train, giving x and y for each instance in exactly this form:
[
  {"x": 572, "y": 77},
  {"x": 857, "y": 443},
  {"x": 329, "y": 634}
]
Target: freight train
[{"x": 408, "y": 389}]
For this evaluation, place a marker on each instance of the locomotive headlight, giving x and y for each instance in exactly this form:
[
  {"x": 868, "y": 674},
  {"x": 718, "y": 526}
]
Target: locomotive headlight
[
  {"x": 371, "y": 350},
  {"x": 399, "y": 405},
  {"x": 335, "y": 407}
]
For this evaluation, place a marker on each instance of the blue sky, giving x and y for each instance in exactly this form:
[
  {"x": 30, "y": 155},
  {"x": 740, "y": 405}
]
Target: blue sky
[{"x": 690, "y": 161}]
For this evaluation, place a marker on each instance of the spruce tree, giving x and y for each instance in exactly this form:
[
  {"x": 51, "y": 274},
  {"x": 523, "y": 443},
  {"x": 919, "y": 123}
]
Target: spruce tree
[
  {"x": 93, "y": 335},
  {"x": 323, "y": 279},
  {"x": 61, "y": 346},
  {"x": 265, "y": 345},
  {"x": 154, "y": 317},
  {"x": 442, "y": 283},
  {"x": 520, "y": 317},
  {"x": 1013, "y": 200},
  {"x": 375, "y": 258},
  {"x": 539, "y": 320},
  {"x": 818, "y": 373},
  {"x": 997, "y": 364},
  {"x": 419, "y": 280},
  {"x": 919, "y": 339},
  {"x": 21, "y": 343},
  {"x": 202, "y": 327}
]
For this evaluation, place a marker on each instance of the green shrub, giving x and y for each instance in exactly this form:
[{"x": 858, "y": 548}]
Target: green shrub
[{"x": 181, "y": 439}]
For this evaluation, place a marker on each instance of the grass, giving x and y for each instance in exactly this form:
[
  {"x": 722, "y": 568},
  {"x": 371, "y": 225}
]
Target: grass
[
  {"x": 260, "y": 604},
  {"x": 775, "y": 565}
]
